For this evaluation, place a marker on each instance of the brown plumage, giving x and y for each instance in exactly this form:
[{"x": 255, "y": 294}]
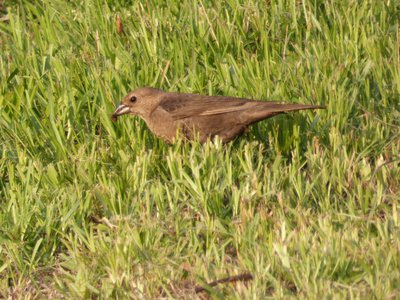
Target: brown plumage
[{"x": 199, "y": 116}]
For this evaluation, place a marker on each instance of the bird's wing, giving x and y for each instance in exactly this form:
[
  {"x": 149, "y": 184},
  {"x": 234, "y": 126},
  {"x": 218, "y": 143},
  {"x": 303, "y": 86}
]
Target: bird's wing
[{"x": 181, "y": 106}]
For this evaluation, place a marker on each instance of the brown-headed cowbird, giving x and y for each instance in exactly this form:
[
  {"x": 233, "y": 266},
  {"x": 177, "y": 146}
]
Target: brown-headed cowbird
[{"x": 192, "y": 116}]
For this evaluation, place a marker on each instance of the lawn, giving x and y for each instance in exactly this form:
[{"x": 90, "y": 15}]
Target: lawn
[{"x": 308, "y": 203}]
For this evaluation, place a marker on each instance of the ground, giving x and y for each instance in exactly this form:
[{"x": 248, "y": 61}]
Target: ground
[{"x": 307, "y": 203}]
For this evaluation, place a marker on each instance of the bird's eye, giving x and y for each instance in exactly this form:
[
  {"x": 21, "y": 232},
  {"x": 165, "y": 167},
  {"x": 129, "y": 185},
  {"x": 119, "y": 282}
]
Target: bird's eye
[{"x": 132, "y": 99}]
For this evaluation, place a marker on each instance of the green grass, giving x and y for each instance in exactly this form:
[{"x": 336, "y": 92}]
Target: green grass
[{"x": 308, "y": 203}]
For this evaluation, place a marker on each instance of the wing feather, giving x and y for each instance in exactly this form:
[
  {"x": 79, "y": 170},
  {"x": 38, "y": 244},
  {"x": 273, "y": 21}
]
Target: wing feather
[{"x": 181, "y": 106}]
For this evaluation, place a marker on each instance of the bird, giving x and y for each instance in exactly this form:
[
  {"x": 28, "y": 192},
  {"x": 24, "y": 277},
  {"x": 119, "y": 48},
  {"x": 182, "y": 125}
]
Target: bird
[{"x": 171, "y": 115}]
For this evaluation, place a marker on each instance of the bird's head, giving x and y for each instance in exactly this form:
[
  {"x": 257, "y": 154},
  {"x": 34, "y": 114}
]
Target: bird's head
[{"x": 138, "y": 102}]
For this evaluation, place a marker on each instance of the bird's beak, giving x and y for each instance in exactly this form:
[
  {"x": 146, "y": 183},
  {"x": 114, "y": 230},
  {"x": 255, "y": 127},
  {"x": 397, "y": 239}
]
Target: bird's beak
[{"x": 122, "y": 109}]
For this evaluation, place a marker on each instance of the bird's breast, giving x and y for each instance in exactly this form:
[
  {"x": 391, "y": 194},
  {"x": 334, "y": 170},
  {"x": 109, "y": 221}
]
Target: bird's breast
[{"x": 162, "y": 125}]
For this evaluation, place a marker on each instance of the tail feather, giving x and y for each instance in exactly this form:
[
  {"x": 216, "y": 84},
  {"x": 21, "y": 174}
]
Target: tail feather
[
  {"x": 273, "y": 109},
  {"x": 295, "y": 107}
]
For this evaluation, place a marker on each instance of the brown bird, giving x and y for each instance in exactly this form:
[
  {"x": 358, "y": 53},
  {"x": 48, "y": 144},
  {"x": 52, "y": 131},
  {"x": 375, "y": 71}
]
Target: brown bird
[{"x": 192, "y": 116}]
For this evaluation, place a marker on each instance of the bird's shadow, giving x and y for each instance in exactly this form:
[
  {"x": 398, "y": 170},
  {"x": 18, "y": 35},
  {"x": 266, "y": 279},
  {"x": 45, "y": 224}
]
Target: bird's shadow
[{"x": 283, "y": 134}]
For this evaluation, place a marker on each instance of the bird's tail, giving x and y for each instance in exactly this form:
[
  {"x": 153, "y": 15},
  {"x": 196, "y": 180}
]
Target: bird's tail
[{"x": 272, "y": 109}]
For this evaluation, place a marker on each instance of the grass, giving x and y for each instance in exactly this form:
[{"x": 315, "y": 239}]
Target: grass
[{"x": 308, "y": 203}]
